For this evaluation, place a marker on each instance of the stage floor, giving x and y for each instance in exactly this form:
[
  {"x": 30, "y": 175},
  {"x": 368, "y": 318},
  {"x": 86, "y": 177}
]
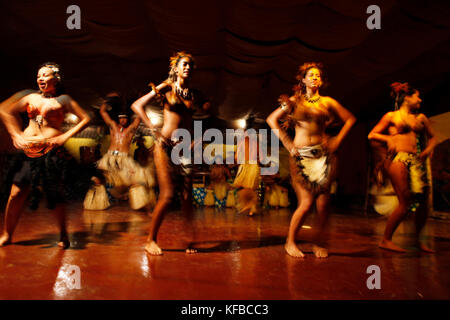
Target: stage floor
[{"x": 240, "y": 257}]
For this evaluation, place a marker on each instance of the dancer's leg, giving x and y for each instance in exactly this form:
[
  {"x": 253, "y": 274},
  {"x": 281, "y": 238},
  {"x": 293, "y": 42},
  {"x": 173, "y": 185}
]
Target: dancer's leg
[
  {"x": 305, "y": 200},
  {"x": 421, "y": 216},
  {"x": 60, "y": 211},
  {"x": 323, "y": 210},
  {"x": 187, "y": 208},
  {"x": 398, "y": 174},
  {"x": 165, "y": 197},
  {"x": 14, "y": 208}
]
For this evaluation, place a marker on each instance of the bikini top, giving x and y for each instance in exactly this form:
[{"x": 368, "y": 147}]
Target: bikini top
[
  {"x": 191, "y": 103},
  {"x": 51, "y": 115},
  {"x": 404, "y": 127},
  {"x": 302, "y": 113}
]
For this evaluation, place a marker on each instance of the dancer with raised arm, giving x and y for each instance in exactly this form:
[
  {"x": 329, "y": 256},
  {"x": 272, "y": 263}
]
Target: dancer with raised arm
[
  {"x": 410, "y": 140},
  {"x": 180, "y": 102},
  {"x": 311, "y": 151},
  {"x": 118, "y": 166},
  {"x": 44, "y": 162}
]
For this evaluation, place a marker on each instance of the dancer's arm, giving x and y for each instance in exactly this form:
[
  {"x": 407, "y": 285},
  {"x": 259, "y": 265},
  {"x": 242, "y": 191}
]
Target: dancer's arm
[
  {"x": 272, "y": 121},
  {"x": 139, "y": 104},
  {"x": 376, "y": 133},
  {"x": 73, "y": 107},
  {"x": 383, "y": 124},
  {"x": 135, "y": 124},
  {"x": 104, "y": 113},
  {"x": 10, "y": 115},
  {"x": 347, "y": 117},
  {"x": 432, "y": 140}
]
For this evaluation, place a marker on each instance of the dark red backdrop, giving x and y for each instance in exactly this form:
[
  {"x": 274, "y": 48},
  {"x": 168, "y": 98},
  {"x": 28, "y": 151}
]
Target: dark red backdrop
[{"x": 247, "y": 53}]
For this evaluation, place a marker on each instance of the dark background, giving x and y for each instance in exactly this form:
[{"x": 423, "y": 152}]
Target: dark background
[{"x": 247, "y": 54}]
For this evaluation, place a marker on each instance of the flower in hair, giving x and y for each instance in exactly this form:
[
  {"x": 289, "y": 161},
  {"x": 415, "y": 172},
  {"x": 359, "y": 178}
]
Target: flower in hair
[{"x": 399, "y": 87}]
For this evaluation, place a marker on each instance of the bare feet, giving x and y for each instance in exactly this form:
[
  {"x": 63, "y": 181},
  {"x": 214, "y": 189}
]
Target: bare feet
[
  {"x": 153, "y": 249},
  {"x": 320, "y": 252},
  {"x": 422, "y": 246},
  {"x": 293, "y": 251},
  {"x": 5, "y": 239},
  {"x": 191, "y": 250},
  {"x": 389, "y": 245},
  {"x": 64, "y": 242}
]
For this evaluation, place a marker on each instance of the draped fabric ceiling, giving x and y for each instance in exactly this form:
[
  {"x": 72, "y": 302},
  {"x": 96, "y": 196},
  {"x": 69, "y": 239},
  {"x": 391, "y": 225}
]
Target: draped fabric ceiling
[{"x": 247, "y": 51}]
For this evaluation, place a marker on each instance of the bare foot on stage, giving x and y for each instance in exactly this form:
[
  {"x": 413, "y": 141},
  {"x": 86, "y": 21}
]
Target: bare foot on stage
[
  {"x": 153, "y": 249},
  {"x": 320, "y": 252},
  {"x": 5, "y": 239},
  {"x": 424, "y": 247},
  {"x": 64, "y": 242},
  {"x": 191, "y": 250},
  {"x": 389, "y": 245},
  {"x": 293, "y": 251}
]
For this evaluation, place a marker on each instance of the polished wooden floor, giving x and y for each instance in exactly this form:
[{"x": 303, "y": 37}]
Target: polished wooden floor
[{"x": 239, "y": 257}]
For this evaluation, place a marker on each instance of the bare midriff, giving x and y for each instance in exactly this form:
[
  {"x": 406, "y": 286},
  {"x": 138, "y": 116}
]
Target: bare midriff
[
  {"x": 175, "y": 120},
  {"x": 309, "y": 125},
  {"x": 46, "y": 118},
  {"x": 36, "y": 133},
  {"x": 403, "y": 142},
  {"x": 121, "y": 140}
]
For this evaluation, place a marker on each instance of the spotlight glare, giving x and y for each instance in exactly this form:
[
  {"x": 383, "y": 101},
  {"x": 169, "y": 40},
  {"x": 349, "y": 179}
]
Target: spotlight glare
[
  {"x": 155, "y": 118},
  {"x": 154, "y": 121},
  {"x": 71, "y": 118},
  {"x": 242, "y": 123}
]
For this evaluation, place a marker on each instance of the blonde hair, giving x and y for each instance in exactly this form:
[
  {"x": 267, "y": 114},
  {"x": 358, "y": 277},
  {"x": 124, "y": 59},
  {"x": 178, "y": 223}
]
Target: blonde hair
[{"x": 174, "y": 62}]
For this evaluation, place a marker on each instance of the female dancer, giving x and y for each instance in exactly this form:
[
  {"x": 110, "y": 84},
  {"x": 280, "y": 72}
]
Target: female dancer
[
  {"x": 248, "y": 176},
  {"x": 218, "y": 176},
  {"x": 407, "y": 131},
  {"x": 44, "y": 163},
  {"x": 180, "y": 102},
  {"x": 311, "y": 151}
]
